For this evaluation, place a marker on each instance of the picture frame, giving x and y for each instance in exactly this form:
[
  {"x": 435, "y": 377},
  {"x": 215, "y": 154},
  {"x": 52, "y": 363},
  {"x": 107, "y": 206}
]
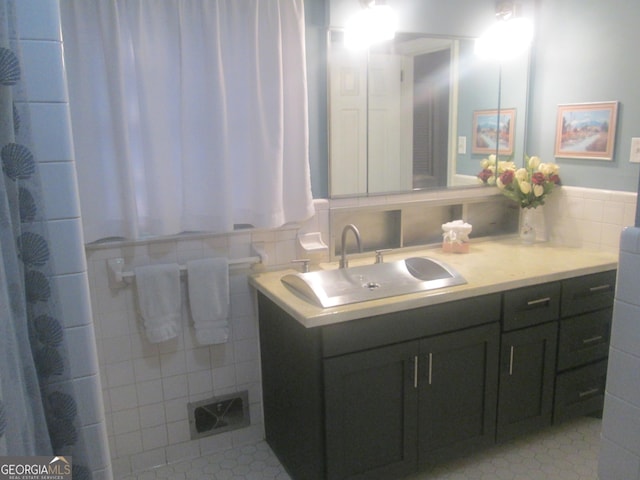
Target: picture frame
[
  {"x": 586, "y": 130},
  {"x": 484, "y": 132}
]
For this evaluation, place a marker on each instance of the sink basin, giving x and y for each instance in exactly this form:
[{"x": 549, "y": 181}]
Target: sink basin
[{"x": 331, "y": 288}]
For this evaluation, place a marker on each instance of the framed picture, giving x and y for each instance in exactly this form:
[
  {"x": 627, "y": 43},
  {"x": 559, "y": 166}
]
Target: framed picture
[
  {"x": 586, "y": 130},
  {"x": 490, "y": 133}
]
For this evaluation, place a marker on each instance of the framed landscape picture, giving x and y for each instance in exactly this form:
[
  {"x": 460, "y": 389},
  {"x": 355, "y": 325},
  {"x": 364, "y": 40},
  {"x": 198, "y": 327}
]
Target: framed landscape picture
[
  {"x": 586, "y": 130},
  {"x": 490, "y": 133}
]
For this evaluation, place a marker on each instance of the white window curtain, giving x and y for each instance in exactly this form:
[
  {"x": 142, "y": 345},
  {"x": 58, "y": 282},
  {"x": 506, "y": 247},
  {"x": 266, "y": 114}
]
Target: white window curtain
[{"x": 187, "y": 115}]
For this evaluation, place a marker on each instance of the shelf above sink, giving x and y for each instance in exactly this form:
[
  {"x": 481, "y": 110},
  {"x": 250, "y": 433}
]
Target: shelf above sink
[{"x": 332, "y": 288}]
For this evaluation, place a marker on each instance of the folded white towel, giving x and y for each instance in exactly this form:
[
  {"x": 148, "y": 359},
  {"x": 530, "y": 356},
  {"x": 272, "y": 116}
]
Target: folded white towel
[
  {"x": 209, "y": 299},
  {"x": 159, "y": 300}
]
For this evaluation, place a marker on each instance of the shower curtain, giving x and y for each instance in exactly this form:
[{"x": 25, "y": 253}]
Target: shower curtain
[{"x": 38, "y": 409}]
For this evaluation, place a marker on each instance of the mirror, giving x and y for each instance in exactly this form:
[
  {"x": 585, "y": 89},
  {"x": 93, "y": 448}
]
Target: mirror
[{"x": 402, "y": 115}]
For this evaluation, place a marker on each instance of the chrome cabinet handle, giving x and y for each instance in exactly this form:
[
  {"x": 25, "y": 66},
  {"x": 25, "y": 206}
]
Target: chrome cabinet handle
[
  {"x": 600, "y": 287},
  {"x": 588, "y": 392},
  {"x": 538, "y": 301},
  {"x": 430, "y": 367},
  {"x": 592, "y": 339},
  {"x": 415, "y": 371},
  {"x": 511, "y": 361}
]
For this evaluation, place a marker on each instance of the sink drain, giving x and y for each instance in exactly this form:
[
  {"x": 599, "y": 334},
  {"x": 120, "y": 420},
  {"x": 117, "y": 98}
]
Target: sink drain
[{"x": 371, "y": 285}]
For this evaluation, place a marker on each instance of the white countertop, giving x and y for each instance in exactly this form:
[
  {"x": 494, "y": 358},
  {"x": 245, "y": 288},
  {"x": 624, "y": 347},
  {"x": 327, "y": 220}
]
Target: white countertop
[{"x": 490, "y": 266}]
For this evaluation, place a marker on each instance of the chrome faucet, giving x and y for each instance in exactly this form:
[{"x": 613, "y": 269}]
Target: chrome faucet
[{"x": 344, "y": 263}]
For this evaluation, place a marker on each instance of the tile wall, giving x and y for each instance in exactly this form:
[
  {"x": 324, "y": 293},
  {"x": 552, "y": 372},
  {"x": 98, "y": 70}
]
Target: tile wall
[
  {"x": 42, "y": 66},
  {"x": 147, "y": 387},
  {"x": 620, "y": 447}
]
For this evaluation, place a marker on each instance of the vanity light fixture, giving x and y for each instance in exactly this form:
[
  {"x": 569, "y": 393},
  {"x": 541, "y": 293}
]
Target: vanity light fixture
[
  {"x": 508, "y": 37},
  {"x": 373, "y": 23}
]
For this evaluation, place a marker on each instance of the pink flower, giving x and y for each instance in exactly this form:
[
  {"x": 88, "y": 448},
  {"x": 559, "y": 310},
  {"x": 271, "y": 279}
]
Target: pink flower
[
  {"x": 538, "y": 178},
  {"x": 554, "y": 179},
  {"x": 485, "y": 174},
  {"x": 507, "y": 177}
]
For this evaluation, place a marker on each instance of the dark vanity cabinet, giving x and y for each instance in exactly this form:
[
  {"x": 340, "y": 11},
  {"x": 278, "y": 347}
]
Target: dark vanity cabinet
[
  {"x": 381, "y": 397},
  {"x": 391, "y": 408},
  {"x": 585, "y": 327},
  {"x": 528, "y": 359}
]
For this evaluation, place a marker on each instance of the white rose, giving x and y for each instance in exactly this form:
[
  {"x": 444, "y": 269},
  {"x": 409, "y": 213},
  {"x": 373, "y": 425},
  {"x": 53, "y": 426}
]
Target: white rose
[
  {"x": 534, "y": 162},
  {"x": 492, "y": 158},
  {"x": 538, "y": 190},
  {"x": 525, "y": 187},
  {"x": 545, "y": 168},
  {"x": 504, "y": 165},
  {"x": 485, "y": 163},
  {"x": 491, "y": 180},
  {"x": 521, "y": 174}
]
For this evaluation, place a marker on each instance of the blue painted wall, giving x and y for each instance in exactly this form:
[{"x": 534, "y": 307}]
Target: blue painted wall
[{"x": 586, "y": 51}]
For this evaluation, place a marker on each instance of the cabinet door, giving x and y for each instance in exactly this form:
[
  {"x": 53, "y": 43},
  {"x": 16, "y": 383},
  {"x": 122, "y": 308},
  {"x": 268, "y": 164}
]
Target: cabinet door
[
  {"x": 458, "y": 392},
  {"x": 371, "y": 413},
  {"x": 527, "y": 371}
]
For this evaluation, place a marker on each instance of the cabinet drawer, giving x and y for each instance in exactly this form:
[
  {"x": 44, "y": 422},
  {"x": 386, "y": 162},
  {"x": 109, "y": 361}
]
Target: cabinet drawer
[
  {"x": 529, "y": 306},
  {"x": 588, "y": 293},
  {"x": 371, "y": 332},
  {"x": 584, "y": 338},
  {"x": 580, "y": 391}
]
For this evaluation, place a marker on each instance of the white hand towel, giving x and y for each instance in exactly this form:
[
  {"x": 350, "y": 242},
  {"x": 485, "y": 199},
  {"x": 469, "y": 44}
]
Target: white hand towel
[
  {"x": 159, "y": 300},
  {"x": 209, "y": 299}
]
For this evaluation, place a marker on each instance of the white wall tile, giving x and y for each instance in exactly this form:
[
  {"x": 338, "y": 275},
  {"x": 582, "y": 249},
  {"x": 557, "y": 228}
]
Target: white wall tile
[
  {"x": 623, "y": 379},
  {"x": 126, "y": 421},
  {"x": 73, "y": 299},
  {"x": 82, "y": 352},
  {"x": 120, "y": 374},
  {"x": 51, "y": 131},
  {"x": 154, "y": 437},
  {"x": 625, "y": 331},
  {"x": 616, "y": 463},
  {"x": 122, "y": 398},
  {"x": 97, "y": 454},
  {"x": 152, "y": 415},
  {"x": 67, "y": 252},
  {"x": 149, "y": 392},
  {"x": 59, "y": 192},
  {"x": 621, "y": 424},
  {"x": 150, "y": 459},
  {"x": 88, "y": 396},
  {"x": 626, "y": 286},
  {"x": 43, "y": 71},
  {"x": 38, "y": 19},
  {"x": 128, "y": 444},
  {"x": 174, "y": 387}
]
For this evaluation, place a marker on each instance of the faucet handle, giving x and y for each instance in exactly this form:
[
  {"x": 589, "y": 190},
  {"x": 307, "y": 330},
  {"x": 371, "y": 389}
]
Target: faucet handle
[
  {"x": 380, "y": 253},
  {"x": 304, "y": 262}
]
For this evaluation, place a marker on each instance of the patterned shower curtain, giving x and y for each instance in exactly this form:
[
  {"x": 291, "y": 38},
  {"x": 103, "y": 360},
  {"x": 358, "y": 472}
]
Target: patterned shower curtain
[{"x": 38, "y": 410}]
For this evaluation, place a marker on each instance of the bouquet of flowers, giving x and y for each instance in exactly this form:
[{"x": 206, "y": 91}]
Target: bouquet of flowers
[{"x": 528, "y": 186}]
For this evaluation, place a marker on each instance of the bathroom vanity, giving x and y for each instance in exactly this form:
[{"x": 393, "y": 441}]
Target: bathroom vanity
[{"x": 383, "y": 388}]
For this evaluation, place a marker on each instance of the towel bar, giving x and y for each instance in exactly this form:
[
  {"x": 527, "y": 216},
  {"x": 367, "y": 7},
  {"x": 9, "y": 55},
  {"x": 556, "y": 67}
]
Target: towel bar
[{"x": 119, "y": 278}]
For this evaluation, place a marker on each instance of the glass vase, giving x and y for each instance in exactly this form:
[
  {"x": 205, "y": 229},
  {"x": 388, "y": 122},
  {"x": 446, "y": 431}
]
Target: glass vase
[{"x": 527, "y": 225}]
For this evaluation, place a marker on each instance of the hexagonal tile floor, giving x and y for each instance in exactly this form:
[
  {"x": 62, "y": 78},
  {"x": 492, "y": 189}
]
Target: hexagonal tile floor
[{"x": 565, "y": 452}]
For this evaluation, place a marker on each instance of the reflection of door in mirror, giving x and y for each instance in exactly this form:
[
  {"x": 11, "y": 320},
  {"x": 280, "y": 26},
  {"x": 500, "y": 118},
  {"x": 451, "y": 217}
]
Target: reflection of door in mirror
[
  {"x": 388, "y": 153},
  {"x": 348, "y": 122},
  {"x": 389, "y": 115}
]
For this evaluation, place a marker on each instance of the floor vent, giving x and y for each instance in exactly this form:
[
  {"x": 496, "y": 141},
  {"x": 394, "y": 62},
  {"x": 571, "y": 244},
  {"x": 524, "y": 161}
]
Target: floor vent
[{"x": 219, "y": 414}]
